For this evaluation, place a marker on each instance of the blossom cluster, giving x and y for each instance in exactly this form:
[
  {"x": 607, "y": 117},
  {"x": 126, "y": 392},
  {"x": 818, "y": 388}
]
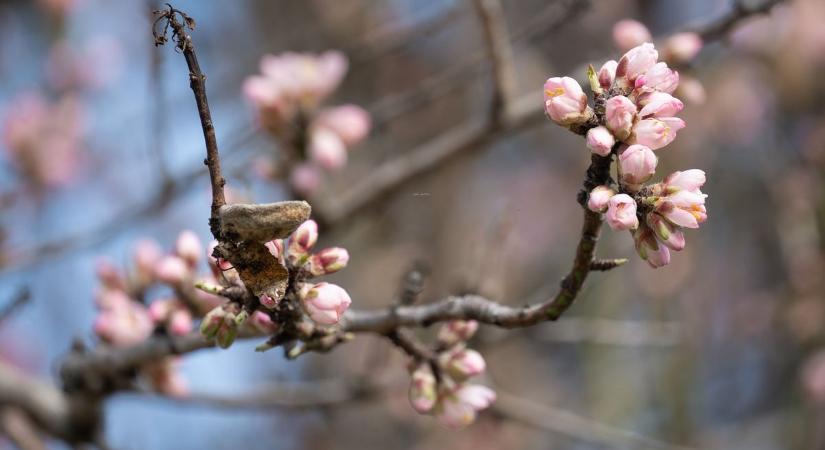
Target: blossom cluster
[
  {"x": 324, "y": 303},
  {"x": 127, "y": 316},
  {"x": 448, "y": 396},
  {"x": 287, "y": 96},
  {"x": 635, "y": 116}
]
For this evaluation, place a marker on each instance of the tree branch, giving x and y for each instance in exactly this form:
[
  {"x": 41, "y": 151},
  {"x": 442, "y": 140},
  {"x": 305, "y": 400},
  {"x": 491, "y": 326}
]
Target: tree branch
[{"x": 500, "y": 55}]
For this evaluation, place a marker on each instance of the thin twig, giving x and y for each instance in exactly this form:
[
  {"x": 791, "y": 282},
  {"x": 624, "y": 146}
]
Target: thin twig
[
  {"x": 20, "y": 299},
  {"x": 500, "y": 54}
]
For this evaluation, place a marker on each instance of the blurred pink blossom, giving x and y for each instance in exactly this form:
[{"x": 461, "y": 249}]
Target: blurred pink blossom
[{"x": 629, "y": 33}]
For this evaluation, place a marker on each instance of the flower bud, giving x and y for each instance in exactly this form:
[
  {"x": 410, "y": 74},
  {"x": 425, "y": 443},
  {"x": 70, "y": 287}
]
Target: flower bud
[
  {"x": 109, "y": 275},
  {"x": 649, "y": 249},
  {"x": 599, "y": 198},
  {"x": 305, "y": 179},
  {"x": 146, "y": 255},
  {"x": 607, "y": 74},
  {"x": 325, "y": 303},
  {"x": 423, "y": 389},
  {"x": 212, "y": 322},
  {"x": 692, "y": 90},
  {"x": 666, "y": 232},
  {"x": 328, "y": 260},
  {"x": 637, "y": 164},
  {"x": 456, "y": 331},
  {"x": 630, "y": 33},
  {"x": 658, "y": 78},
  {"x": 660, "y": 104},
  {"x": 350, "y": 122},
  {"x": 621, "y": 213},
  {"x": 565, "y": 101},
  {"x": 172, "y": 270},
  {"x": 263, "y": 323},
  {"x": 619, "y": 114},
  {"x": 636, "y": 62},
  {"x": 656, "y": 132},
  {"x": 268, "y": 302},
  {"x": 464, "y": 363},
  {"x": 327, "y": 149},
  {"x": 302, "y": 241},
  {"x": 600, "y": 141},
  {"x": 276, "y": 248},
  {"x": 227, "y": 331},
  {"x": 682, "y": 47},
  {"x": 189, "y": 247},
  {"x": 180, "y": 321},
  {"x": 458, "y": 409}
]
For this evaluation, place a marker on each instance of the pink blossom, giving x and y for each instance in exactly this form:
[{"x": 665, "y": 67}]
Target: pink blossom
[
  {"x": 656, "y": 132},
  {"x": 636, "y": 62},
  {"x": 600, "y": 141},
  {"x": 684, "y": 203},
  {"x": 659, "y": 104},
  {"x": 456, "y": 331},
  {"x": 599, "y": 197},
  {"x": 350, "y": 122},
  {"x": 172, "y": 270},
  {"x": 423, "y": 389},
  {"x": 630, "y": 33},
  {"x": 650, "y": 249},
  {"x": 180, "y": 322},
  {"x": 327, "y": 149},
  {"x": 619, "y": 114},
  {"x": 263, "y": 323},
  {"x": 666, "y": 232},
  {"x": 302, "y": 241},
  {"x": 189, "y": 247},
  {"x": 146, "y": 255},
  {"x": 607, "y": 74},
  {"x": 124, "y": 324},
  {"x": 683, "y": 47},
  {"x": 305, "y": 179},
  {"x": 690, "y": 180},
  {"x": 565, "y": 101},
  {"x": 621, "y": 213},
  {"x": 459, "y": 409},
  {"x": 658, "y": 78},
  {"x": 328, "y": 260},
  {"x": 464, "y": 363},
  {"x": 325, "y": 303},
  {"x": 637, "y": 164}
]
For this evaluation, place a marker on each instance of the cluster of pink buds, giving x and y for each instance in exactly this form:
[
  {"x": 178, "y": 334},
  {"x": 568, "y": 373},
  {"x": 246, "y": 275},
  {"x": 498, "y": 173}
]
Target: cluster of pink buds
[
  {"x": 678, "y": 50},
  {"x": 43, "y": 140},
  {"x": 127, "y": 317},
  {"x": 635, "y": 115},
  {"x": 287, "y": 96},
  {"x": 324, "y": 303},
  {"x": 441, "y": 387}
]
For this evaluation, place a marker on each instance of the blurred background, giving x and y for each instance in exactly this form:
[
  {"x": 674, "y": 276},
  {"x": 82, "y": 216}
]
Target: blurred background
[{"x": 722, "y": 349}]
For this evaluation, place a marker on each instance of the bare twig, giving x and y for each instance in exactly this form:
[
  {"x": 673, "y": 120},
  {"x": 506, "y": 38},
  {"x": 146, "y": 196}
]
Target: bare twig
[
  {"x": 723, "y": 25},
  {"x": 197, "y": 81},
  {"x": 20, "y": 299},
  {"x": 500, "y": 54}
]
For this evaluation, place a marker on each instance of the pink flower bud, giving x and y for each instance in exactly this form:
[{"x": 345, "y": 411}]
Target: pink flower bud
[
  {"x": 659, "y": 104},
  {"x": 327, "y": 149},
  {"x": 227, "y": 332},
  {"x": 276, "y": 248},
  {"x": 600, "y": 141},
  {"x": 692, "y": 90},
  {"x": 189, "y": 247},
  {"x": 180, "y": 321},
  {"x": 683, "y": 47},
  {"x": 656, "y": 132},
  {"x": 458, "y": 409},
  {"x": 212, "y": 322},
  {"x": 350, "y": 122},
  {"x": 630, "y": 33},
  {"x": 109, "y": 275},
  {"x": 599, "y": 197},
  {"x": 456, "y": 331},
  {"x": 689, "y": 180},
  {"x": 328, "y": 260},
  {"x": 684, "y": 208},
  {"x": 636, "y": 62},
  {"x": 565, "y": 101},
  {"x": 649, "y": 249},
  {"x": 263, "y": 323},
  {"x": 305, "y": 179},
  {"x": 302, "y": 241},
  {"x": 607, "y": 74},
  {"x": 658, "y": 78},
  {"x": 333, "y": 65},
  {"x": 463, "y": 364},
  {"x": 262, "y": 92},
  {"x": 128, "y": 324},
  {"x": 325, "y": 303},
  {"x": 621, "y": 213},
  {"x": 268, "y": 302},
  {"x": 637, "y": 164},
  {"x": 666, "y": 232},
  {"x": 423, "y": 389},
  {"x": 619, "y": 114},
  {"x": 172, "y": 270},
  {"x": 146, "y": 255},
  {"x": 160, "y": 310}
]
